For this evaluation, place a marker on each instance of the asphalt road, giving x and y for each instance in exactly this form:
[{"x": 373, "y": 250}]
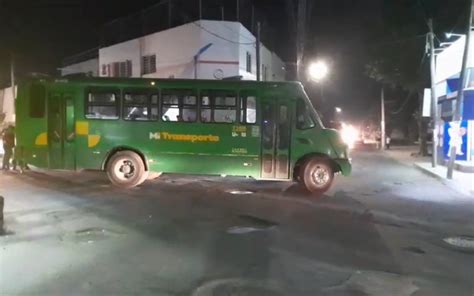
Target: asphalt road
[{"x": 379, "y": 232}]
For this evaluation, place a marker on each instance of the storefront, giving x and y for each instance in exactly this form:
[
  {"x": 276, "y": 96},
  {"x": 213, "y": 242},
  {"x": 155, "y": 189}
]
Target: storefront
[{"x": 449, "y": 132}]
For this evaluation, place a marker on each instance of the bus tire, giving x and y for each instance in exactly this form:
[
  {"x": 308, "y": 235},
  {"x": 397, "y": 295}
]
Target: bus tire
[
  {"x": 126, "y": 169},
  {"x": 316, "y": 175}
]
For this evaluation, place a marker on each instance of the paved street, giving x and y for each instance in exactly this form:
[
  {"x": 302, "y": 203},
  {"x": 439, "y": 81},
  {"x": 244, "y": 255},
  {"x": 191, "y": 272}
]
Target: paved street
[{"x": 378, "y": 232}]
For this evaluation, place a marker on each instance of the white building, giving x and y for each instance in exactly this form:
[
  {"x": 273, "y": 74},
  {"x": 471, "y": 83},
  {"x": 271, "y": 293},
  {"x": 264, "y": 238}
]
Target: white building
[
  {"x": 448, "y": 66},
  {"x": 203, "y": 49},
  {"x": 7, "y": 106}
]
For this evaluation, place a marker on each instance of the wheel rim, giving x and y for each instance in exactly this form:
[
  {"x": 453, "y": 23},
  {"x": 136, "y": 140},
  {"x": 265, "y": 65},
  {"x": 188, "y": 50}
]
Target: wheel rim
[
  {"x": 321, "y": 176},
  {"x": 124, "y": 169}
]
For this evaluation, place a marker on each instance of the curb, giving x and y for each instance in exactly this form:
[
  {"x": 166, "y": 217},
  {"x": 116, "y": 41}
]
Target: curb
[{"x": 445, "y": 181}]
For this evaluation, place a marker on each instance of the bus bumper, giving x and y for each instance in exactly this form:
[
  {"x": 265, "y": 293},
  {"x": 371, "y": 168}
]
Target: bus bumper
[{"x": 345, "y": 166}]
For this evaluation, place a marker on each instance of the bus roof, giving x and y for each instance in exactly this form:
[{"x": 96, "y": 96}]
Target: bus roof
[{"x": 148, "y": 81}]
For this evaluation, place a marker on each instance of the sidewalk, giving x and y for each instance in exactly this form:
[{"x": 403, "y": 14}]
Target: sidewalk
[{"x": 461, "y": 182}]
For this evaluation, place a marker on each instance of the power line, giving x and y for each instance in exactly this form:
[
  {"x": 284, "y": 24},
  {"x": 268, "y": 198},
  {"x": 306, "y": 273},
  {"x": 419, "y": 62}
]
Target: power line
[
  {"x": 399, "y": 40},
  {"x": 235, "y": 32},
  {"x": 220, "y": 37},
  {"x": 423, "y": 10},
  {"x": 410, "y": 92}
]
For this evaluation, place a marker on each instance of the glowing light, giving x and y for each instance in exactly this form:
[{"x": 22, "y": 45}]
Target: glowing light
[
  {"x": 317, "y": 71},
  {"x": 338, "y": 110},
  {"x": 349, "y": 135}
]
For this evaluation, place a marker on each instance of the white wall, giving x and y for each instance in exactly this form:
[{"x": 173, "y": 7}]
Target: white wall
[
  {"x": 175, "y": 50},
  {"x": 449, "y": 61},
  {"x": 7, "y": 104},
  {"x": 89, "y": 66},
  {"x": 223, "y": 55}
]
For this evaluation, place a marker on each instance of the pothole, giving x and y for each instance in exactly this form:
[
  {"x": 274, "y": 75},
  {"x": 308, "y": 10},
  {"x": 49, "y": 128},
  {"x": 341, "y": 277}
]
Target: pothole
[
  {"x": 251, "y": 224},
  {"x": 462, "y": 243},
  {"x": 90, "y": 235},
  {"x": 238, "y": 287},
  {"x": 415, "y": 250}
]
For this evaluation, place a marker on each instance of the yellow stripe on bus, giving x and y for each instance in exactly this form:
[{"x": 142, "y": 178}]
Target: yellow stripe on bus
[
  {"x": 82, "y": 128},
  {"x": 93, "y": 140},
  {"x": 42, "y": 139}
]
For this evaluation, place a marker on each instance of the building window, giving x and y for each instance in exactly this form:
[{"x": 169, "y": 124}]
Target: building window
[
  {"x": 148, "y": 64},
  {"x": 122, "y": 69},
  {"x": 37, "y": 101},
  {"x": 218, "y": 107},
  {"x": 179, "y": 105},
  {"x": 104, "y": 70},
  {"x": 249, "y": 62},
  {"x": 248, "y": 109},
  {"x": 140, "y": 106},
  {"x": 102, "y": 105}
]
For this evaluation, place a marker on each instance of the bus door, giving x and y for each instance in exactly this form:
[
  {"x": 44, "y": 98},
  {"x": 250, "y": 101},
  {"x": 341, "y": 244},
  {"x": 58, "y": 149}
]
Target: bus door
[
  {"x": 61, "y": 131},
  {"x": 276, "y": 135}
]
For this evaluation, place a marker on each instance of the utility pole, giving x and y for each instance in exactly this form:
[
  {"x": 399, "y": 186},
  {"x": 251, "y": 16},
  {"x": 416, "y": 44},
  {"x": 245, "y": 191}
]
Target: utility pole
[
  {"x": 382, "y": 119},
  {"x": 253, "y": 19},
  {"x": 462, "y": 83},
  {"x": 237, "y": 10},
  {"x": 222, "y": 12},
  {"x": 12, "y": 76},
  {"x": 200, "y": 9},
  {"x": 169, "y": 14},
  {"x": 258, "y": 51},
  {"x": 434, "y": 98},
  {"x": 300, "y": 37}
]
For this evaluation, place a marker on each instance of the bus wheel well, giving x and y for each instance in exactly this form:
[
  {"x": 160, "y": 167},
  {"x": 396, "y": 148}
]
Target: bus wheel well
[
  {"x": 304, "y": 158},
  {"x": 118, "y": 149}
]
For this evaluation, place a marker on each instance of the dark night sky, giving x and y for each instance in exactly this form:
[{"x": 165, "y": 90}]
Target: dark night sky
[{"x": 42, "y": 32}]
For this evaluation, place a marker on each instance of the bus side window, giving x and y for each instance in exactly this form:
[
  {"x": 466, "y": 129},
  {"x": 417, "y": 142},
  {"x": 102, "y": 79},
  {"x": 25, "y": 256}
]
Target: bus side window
[
  {"x": 135, "y": 106},
  {"x": 303, "y": 118},
  {"x": 179, "y": 106},
  {"x": 102, "y": 105},
  {"x": 248, "y": 109},
  {"x": 219, "y": 106},
  {"x": 37, "y": 101}
]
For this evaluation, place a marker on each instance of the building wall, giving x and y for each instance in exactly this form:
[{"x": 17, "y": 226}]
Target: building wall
[
  {"x": 7, "y": 105},
  {"x": 89, "y": 67},
  {"x": 449, "y": 61},
  {"x": 175, "y": 50}
]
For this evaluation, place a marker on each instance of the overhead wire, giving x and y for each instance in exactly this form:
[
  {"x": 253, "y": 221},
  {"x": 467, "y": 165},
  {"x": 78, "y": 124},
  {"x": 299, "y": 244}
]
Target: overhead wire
[
  {"x": 410, "y": 92},
  {"x": 220, "y": 37}
]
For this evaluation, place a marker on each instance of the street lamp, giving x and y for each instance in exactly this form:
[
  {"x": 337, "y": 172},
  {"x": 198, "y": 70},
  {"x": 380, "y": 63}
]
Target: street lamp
[
  {"x": 338, "y": 110},
  {"x": 317, "y": 71}
]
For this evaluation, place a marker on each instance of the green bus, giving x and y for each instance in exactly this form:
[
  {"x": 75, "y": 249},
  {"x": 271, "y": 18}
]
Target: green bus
[{"x": 132, "y": 127}]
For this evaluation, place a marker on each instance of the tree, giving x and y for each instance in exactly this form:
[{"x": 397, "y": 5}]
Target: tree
[{"x": 397, "y": 58}]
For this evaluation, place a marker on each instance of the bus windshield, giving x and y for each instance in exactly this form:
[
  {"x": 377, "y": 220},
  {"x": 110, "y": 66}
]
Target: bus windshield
[{"x": 310, "y": 110}]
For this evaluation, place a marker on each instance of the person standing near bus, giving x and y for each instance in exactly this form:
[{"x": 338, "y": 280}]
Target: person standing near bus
[{"x": 8, "y": 138}]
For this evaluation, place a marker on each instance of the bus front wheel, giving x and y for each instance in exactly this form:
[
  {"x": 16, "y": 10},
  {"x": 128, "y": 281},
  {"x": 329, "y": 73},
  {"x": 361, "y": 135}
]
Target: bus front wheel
[
  {"x": 126, "y": 169},
  {"x": 317, "y": 175}
]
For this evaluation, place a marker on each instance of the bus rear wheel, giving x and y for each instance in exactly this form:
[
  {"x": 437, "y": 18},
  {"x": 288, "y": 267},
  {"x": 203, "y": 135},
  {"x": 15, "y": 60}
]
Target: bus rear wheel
[
  {"x": 317, "y": 175},
  {"x": 126, "y": 169}
]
